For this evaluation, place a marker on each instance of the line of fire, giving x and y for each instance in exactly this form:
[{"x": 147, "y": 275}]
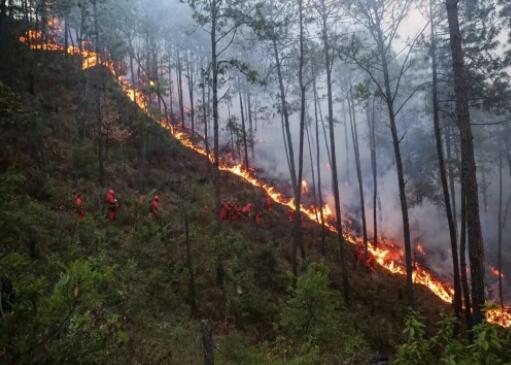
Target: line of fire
[{"x": 387, "y": 254}]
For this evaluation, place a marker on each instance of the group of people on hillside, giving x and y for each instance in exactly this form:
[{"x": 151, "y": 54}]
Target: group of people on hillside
[
  {"x": 151, "y": 204},
  {"x": 232, "y": 211}
]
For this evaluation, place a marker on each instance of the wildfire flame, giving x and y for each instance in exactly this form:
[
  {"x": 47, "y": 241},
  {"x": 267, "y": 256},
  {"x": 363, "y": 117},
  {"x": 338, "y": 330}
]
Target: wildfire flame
[
  {"x": 387, "y": 255},
  {"x": 305, "y": 187},
  {"x": 496, "y": 272},
  {"x": 420, "y": 249}
]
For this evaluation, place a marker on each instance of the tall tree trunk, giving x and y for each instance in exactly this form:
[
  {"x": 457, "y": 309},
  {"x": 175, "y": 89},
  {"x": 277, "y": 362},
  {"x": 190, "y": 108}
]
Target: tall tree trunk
[
  {"x": 374, "y": 168},
  {"x": 333, "y": 158},
  {"x": 284, "y": 139},
  {"x": 285, "y": 113},
  {"x": 207, "y": 341},
  {"x": 404, "y": 206},
  {"x": 132, "y": 72},
  {"x": 313, "y": 173},
  {"x": 250, "y": 122},
  {"x": 3, "y": 10},
  {"x": 346, "y": 143},
  {"x": 66, "y": 33},
  {"x": 508, "y": 145},
  {"x": 43, "y": 6},
  {"x": 244, "y": 131},
  {"x": 463, "y": 255},
  {"x": 399, "y": 162},
  {"x": 500, "y": 229},
  {"x": 463, "y": 265},
  {"x": 443, "y": 173},
  {"x": 180, "y": 89},
  {"x": 171, "y": 89},
  {"x": 214, "y": 86},
  {"x": 298, "y": 239},
  {"x": 318, "y": 165},
  {"x": 356, "y": 151},
  {"x": 83, "y": 19},
  {"x": 475, "y": 239},
  {"x": 156, "y": 78},
  {"x": 450, "y": 170},
  {"x": 205, "y": 108},
  {"x": 190, "y": 91},
  {"x": 99, "y": 81}
]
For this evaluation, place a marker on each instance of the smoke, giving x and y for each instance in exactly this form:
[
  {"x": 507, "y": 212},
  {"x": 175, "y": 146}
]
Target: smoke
[{"x": 427, "y": 215}]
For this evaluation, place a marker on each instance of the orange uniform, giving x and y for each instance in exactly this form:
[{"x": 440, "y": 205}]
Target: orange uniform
[
  {"x": 155, "y": 206},
  {"x": 268, "y": 204},
  {"x": 113, "y": 204},
  {"x": 79, "y": 206}
]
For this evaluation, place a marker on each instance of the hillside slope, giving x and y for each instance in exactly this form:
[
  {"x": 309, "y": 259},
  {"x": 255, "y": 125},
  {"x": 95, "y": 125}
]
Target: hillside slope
[{"x": 90, "y": 291}]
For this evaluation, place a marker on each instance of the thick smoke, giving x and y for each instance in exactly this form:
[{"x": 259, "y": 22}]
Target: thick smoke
[{"x": 427, "y": 218}]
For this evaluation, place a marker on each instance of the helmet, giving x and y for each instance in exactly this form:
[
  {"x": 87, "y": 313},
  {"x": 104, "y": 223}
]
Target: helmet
[
  {"x": 111, "y": 191},
  {"x": 157, "y": 198}
]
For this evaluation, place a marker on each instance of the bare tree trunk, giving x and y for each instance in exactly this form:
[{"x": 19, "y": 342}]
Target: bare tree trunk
[
  {"x": 450, "y": 169},
  {"x": 374, "y": 168},
  {"x": 404, "y": 207},
  {"x": 333, "y": 158},
  {"x": 463, "y": 265},
  {"x": 214, "y": 86},
  {"x": 171, "y": 89},
  {"x": 346, "y": 143},
  {"x": 508, "y": 145},
  {"x": 180, "y": 88},
  {"x": 132, "y": 71},
  {"x": 99, "y": 82},
  {"x": 250, "y": 122},
  {"x": 443, "y": 173},
  {"x": 66, "y": 33},
  {"x": 3, "y": 10},
  {"x": 475, "y": 239},
  {"x": 313, "y": 173},
  {"x": 399, "y": 162},
  {"x": 356, "y": 151},
  {"x": 298, "y": 239},
  {"x": 244, "y": 130},
  {"x": 318, "y": 165},
  {"x": 285, "y": 113},
  {"x": 205, "y": 108},
  {"x": 207, "y": 341},
  {"x": 500, "y": 229},
  {"x": 43, "y": 6},
  {"x": 190, "y": 91},
  {"x": 156, "y": 78}
]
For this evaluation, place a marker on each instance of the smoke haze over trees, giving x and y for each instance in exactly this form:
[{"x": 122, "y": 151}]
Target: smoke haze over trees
[{"x": 393, "y": 114}]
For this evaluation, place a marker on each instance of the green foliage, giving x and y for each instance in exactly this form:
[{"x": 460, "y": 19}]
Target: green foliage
[
  {"x": 489, "y": 344},
  {"x": 310, "y": 313},
  {"x": 14, "y": 116},
  {"x": 61, "y": 323},
  {"x": 83, "y": 161},
  {"x": 416, "y": 350}
]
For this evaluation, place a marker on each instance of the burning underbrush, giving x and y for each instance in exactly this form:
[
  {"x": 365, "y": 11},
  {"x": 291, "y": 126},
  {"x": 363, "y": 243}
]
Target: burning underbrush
[{"x": 386, "y": 254}]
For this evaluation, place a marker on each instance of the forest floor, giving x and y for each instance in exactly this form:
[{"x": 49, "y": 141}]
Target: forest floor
[{"x": 140, "y": 309}]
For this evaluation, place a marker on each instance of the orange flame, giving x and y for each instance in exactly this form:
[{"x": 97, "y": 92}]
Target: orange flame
[
  {"x": 388, "y": 255},
  {"x": 305, "y": 187},
  {"x": 420, "y": 249},
  {"x": 496, "y": 272}
]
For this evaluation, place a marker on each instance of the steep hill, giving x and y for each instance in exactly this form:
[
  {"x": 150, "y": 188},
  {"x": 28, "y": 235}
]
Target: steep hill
[{"x": 90, "y": 291}]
